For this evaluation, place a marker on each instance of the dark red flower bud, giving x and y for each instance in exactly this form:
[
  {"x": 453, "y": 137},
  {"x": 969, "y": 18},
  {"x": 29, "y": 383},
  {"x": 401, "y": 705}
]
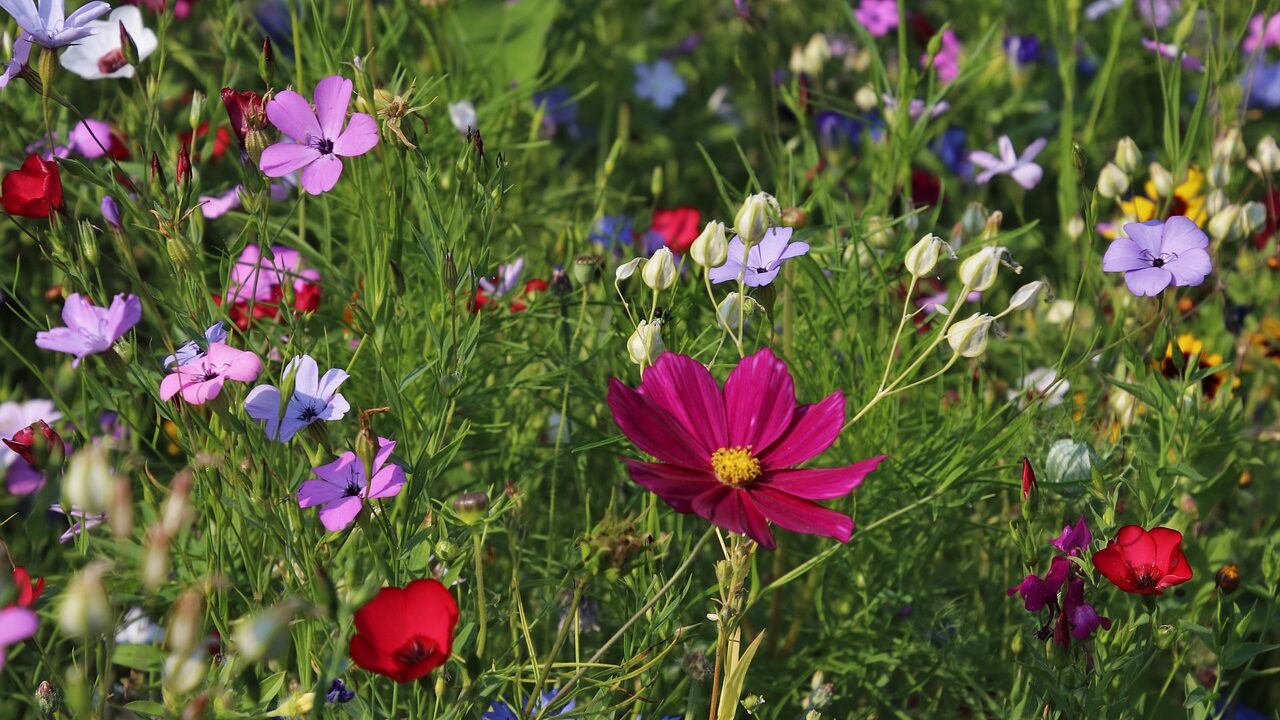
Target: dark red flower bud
[
  {"x": 245, "y": 110},
  {"x": 266, "y": 61},
  {"x": 128, "y": 48},
  {"x": 184, "y": 165},
  {"x": 38, "y": 444},
  {"x": 1028, "y": 479},
  {"x": 33, "y": 190},
  {"x": 1228, "y": 578},
  {"x": 157, "y": 172}
]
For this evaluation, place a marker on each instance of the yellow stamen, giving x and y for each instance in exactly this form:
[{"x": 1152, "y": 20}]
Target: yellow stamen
[{"x": 735, "y": 466}]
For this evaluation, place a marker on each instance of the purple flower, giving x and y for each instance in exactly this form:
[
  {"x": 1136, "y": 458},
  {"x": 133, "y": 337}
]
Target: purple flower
[
  {"x": 79, "y": 519},
  {"x": 1022, "y": 50},
  {"x": 916, "y": 109},
  {"x": 1166, "y": 50},
  {"x": 192, "y": 350},
  {"x": 1262, "y": 82},
  {"x": 877, "y": 16},
  {"x": 659, "y": 83},
  {"x": 1074, "y": 538},
  {"x": 764, "y": 261},
  {"x": 507, "y": 280},
  {"x": 343, "y": 486},
  {"x": 949, "y": 147},
  {"x": 501, "y": 711},
  {"x": 215, "y": 206},
  {"x": 111, "y": 212},
  {"x": 1079, "y": 615},
  {"x": 836, "y": 129},
  {"x": 1264, "y": 32},
  {"x": 1159, "y": 253},
  {"x": 558, "y": 111},
  {"x": 16, "y": 624},
  {"x": 339, "y": 693},
  {"x": 318, "y": 137},
  {"x": 613, "y": 232},
  {"x": 50, "y": 26},
  {"x": 1021, "y": 168},
  {"x": 90, "y": 138},
  {"x": 947, "y": 61},
  {"x": 91, "y": 329},
  {"x": 314, "y": 398},
  {"x": 21, "y": 54},
  {"x": 1036, "y": 591}
]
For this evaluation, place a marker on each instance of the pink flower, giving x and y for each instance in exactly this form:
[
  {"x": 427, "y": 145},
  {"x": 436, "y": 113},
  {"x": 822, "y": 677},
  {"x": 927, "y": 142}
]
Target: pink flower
[
  {"x": 91, "y": 329},
  {"x": 1264, "y": 32},
  {"x": 16, "y": 624},
  {"x": 877, "y": 16},
  {"x": 725, "y": 453},
  {"x": 318, "y": 138},
  {"x": 947, "y": 61},
  {"x": 1173, "y": 52},
  {"x": 343, "y": 487},
  {"x": 201, "y": 380}
]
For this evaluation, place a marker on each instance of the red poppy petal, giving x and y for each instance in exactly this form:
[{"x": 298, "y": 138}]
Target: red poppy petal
[
  {"x": 382, "y": 620},
  {"x": 1136, "y": 545},
  {"x": 367, "y": 655},
  {"x": 802, "y": 516},
  {"x": 1110, "y": 563},
  {"x": 1167, "y": 543},
  {"x": 683, "y": 387},
  {"x": 813, "y": 429},
  {"x": 432, "y": 613},
  {"x": 676, "y": 486}
]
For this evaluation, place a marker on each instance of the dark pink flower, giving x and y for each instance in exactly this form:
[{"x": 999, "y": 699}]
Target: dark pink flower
[
  {"x": 202, "y": 379},
  {"x": 727, "y": 454}
]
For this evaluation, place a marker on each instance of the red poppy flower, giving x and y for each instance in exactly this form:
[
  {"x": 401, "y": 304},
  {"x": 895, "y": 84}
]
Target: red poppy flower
[
  {"x": 405, "y": 633},
  {"x": 678, "y": 227},
  {"x": 1144, "y": 562},
  {"x": 28, "y": 591},
  {"x": 34, "y": 190}
]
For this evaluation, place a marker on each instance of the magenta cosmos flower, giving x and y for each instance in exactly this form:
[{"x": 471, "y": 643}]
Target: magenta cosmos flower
[
  {"x": 316, "y": 137},
  {"x": 201, "y": 380},
  {"x": 725, "y": 454},
  {"x": 343, "y": 486},
  {"x": 91, "y": 329},
  {"x": 1159, "y": 253}
]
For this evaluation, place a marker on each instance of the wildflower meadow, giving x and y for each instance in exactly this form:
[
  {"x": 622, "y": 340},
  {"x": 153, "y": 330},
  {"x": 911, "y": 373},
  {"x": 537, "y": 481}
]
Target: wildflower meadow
[{"x": 622, "y": 359}]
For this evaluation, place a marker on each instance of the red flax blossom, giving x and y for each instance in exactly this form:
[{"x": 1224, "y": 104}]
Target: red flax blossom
[
  {"x": 405, "y": 633},
  {"x": 1145, "y": 562},
  {"x": 726, "y": 453},
  {"x": 33, "y": 190}
]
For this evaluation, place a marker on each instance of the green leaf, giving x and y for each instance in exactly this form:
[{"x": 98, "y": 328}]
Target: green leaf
[
  {"x": 1238, "y": 655},
  {"x": 147, "y": 707},
  {"x": 1141, "y": 392},
  {"x": 512, "y": 36},
  {"x": 139, "y": 657}
]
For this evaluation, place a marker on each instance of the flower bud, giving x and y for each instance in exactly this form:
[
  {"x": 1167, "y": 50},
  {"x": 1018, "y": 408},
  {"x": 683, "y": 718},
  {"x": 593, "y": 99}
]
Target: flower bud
[
  {"x": 627, "y": 269},
  {"x": 1253, "y": 216},
  {"x": 586, "y": 269},
  {"x": 1162, "y": 180},
  {"x": 1229, "y": 146},
  {"x": 1112, "y": 181},
  {"x": 157, "y": 172},
  {"x": 1223, "y": 225},
  {"x": 978, "y": 271},
  {"x": 1026, "y": 295},
  {"x": 48, "y": 700},
  {"x": 878, "y": 235},
  {"x": 184, "y": 165},
  {"x": 184, "y": 673},
  {"x": 263, "y": 635},
  {"x": 128, "y": 48},
  {"x": 186, "y": 623},
  {"x": 973, "y": 220},
  {"x": 923, "y": 256},
  {"x": 1216, "y": 202},
  {"x": 155, "y": 558},
  {"x": 866, "y": 98},
  {"x": 1268, "y": 155},
  {"x": 968, "y": 337},
  {"x": 1127, "y": 155},
  {"x": 1228, "y": 578},
  {"x": 120, "y": 514},
  {"x": 645, "y": 344},
  {"x": 471, "y": 508},
  {"x": 794, "y": 217},
  {"x": 1075, "y": 227},
  {"x": 39, "y": 445},
  {"x": 710, "y": 249},
  {"x": 1219, "y": 174},
  {"x": 734, "y": 309},
  {"x": 196, "y": 110},
  {"x": 87, "y": 484},
  {"x": 296, "y": 705},
  {"x": 266, "y": 61},
  {"x": 992, "y": 226},
  {"x": 111, "y": 212},
  {"x": 85, "y": 610},
  {"x": 660, "y": 271},
  {"x": 752, "y": 219}
]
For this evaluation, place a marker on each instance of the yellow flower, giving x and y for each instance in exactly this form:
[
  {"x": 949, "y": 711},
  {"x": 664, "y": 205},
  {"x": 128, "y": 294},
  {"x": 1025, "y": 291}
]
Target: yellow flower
[
  {"x": 1188, "y": 200},
  {"x": 296, "y": 706},
  {"x": 1191, "y": 349}
]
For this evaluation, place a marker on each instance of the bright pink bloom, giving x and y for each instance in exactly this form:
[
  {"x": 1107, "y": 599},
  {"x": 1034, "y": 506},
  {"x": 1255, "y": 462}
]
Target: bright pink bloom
[
  {"x": 1264, "y": 32},
  {"x": 877, "y": 16},
  {"x": 319, "y": 138},
  {"x": 201, "y": 380},
  {"x": 343, "y": 488},
  {"x": 16, "y": 624},
  {"x": 725, "y": 453},
  {"x": 947, "y": 61}
]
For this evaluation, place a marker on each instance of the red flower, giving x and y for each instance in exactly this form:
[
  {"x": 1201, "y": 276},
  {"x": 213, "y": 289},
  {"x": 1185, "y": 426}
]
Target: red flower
[
  {"x": 221, "y": 139},
  {"x": 1144, "y": 562},
  {"x": 39, "y": 450},
  {"x": 28, "y": 591},
  {"x": 245, "y": 110},
  {"x": 1028, "y": 479},
  {"x": 405, "y": 633},
  {"x": 678, "y": 227},
  {"x": 34, "y": 190}
]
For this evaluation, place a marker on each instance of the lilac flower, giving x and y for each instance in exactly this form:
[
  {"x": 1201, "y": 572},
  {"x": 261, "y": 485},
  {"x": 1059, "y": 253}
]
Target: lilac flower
[
  {"x": 21, "y": 55},
  {"x": 314, "y": 398},
  {"x": 916, "y": 109},
  {"x": 111, "y": 212},
  {"x": 659, "y": 83},
  {"x": 215, "y": 206},
  {"x": 318, "y": 138},
  {"x": 1264, "y": 32},
  {"x": 192, "y": 350},
  {"x": 764, "y": 261},
  {"x": 16, "y": 624},
  {"x": 508, "y": 279},
  {"x": 254, "y": 277},
  {"x": 91, "y": 329},
  {"x": 90, "y": 138},
  {"x": 1262, "y": 81},
  {"x": 1022, "y": 50},
  {"x": 877, "y": 16},
  {"x": 1158, "y": 253},
  {"x": 1172, "y": 52},
  {"x": 1021, "y": 168},
  {"x": 339, "y": 693},
  {"x": 21, "y": 477},
  {"x": 1074, "y": 538},
  {"x": 49, "y": 25},
  {"x": 343, "y": 486},
  {"x": 79, "y": 519},
  {"x": 1157, "y": 13},
  {"x": 201, "y": 379}
]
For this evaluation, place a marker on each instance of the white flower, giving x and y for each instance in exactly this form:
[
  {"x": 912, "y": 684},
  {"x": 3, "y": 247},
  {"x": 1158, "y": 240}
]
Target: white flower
[
  {"x": 463, "y": 115},
  {"x": 1112, "y": 181},
  {"x": 968, "y": 337},
  {"x": 49, "y": 25},
  {"x": 1041, "y": 384},
  {"x": 978, "y": 271},
  {"x": 660, "y": 272},
  {"x": 100, "y": 55},
  {"x": 645, "y": 344},
  {"x": 138, "y": 629},
  {"x": 711, "y": 248}
]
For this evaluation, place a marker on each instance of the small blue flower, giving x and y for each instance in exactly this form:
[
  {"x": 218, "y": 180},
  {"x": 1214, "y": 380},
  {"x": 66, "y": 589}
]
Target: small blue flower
[
  {"x": 1262, "y": 82},
  {"x": 659, "y": 83},
  {"x": 559, "y": 111},
  {"x": 339, "y": 693},
  {"x": 950, "y": 149},
  {"x": 613, "y": 232},
  {"x": 499, "y": 710},
  {"x": 835, "y": 129},
  {"x": 1022, "y": 50}
]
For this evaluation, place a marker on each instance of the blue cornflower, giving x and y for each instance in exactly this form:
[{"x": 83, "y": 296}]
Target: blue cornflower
[
  {"x": 499, "y": 710},
  {"x": 659, "y": 83},
  {"x": 950, "y": 149},
  {"x": 559, "y": 110},
  {"x": 339, "y": 693},
  {"x": 1262, "y": 82},
  {"x": 613, "y": 232},
  {"x": 835, "y": 129},
  {"x": 1022, "y": 50}
]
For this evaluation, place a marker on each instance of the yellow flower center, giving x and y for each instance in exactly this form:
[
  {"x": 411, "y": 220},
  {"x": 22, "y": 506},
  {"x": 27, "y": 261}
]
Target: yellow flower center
[{"x": 735, "y": 466}]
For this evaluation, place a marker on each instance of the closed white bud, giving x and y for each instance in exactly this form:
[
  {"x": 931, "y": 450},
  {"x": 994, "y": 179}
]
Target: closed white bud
[
  {"x": 923, "y": 256},
  {"x": 88, "y": 483},
  {"x": 627, "y": 269},
  {"x": 866, "y": 98},
  {"x": 711, "y": 248},
  {"x": 734, "y": 310},
  {"x": 186, "y": 623},
  {"x": 1253, "y": 216},
  {"x": 1027, "y": 295},
  {"x": 752, "y": 219},
  {"x": 978, "y": 271},
  {"x": 968, "y": 337},
  {"x": 1216, "y": 202},
  {"x": 1162, "y": 179},
  {"x": 1060, "y": 311},
  {"x": 810, "y": 59},
  {"x": 1229, "y": 146},
  {"x": 1075, "y": 227},
  {"x": 660, "y": 271},
  {"x": 85, "y": 610},
  {"x": 1220, "y": 174},
  {"x": 1112, "y": 181},
  {"x": 1223, "y": 225},
  {"x": 1268, "y": 155},
  {"x": 184, "y": 673},
  {"x": 1127, "y": 155},
  {"x": 878, "y": 235},
  {"x": 155, "y": 558},
  {"x": 645, "y": 344},
  {"x": 973, "y": 220},
  {"x": 263, "y": 635}
]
